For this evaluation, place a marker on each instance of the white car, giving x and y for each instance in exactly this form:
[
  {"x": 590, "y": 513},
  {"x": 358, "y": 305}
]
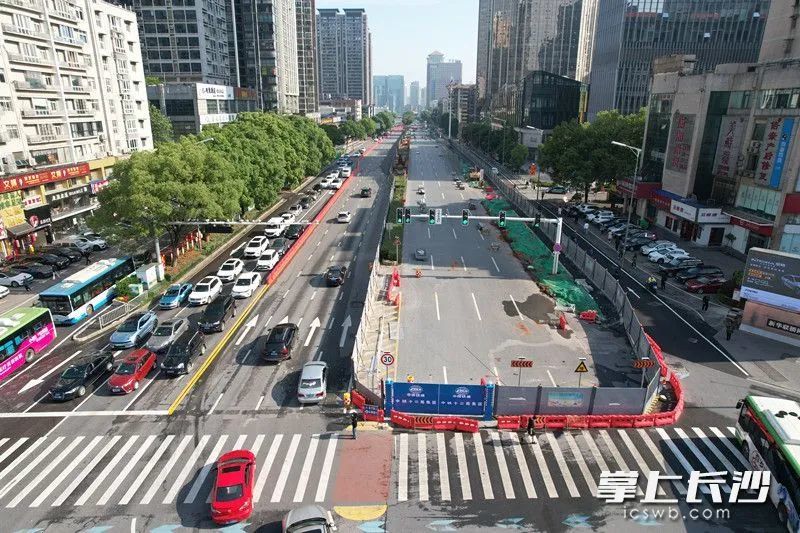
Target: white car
[
  {"x": 326, "y": 182},
  {"x": 230, "y": 269},
  {"x": 256, "y": 246},
  {"x": 346, "y": 172},
  {"x": 12, "y": 278},
  {"x": 246, "y": 285},
  {"x": 206, "y": 290},
  {"x": 93, "y": 243},
  {"x": 4, "y": 291},
  {"x": 268, "y": 260},
  {"x": 336, "y": 184},
  {"x": 657, "y": 245},
  {"x": 591, "y": 216},
  {"x": 344, "y": 217},
  {"x": 602, "y": 217},
  {"x": 313, "y": 384},
  {"x": 675, "y": 257},
  {"x": 289, "y": 218},
  {"x": 660, "y": 256}
]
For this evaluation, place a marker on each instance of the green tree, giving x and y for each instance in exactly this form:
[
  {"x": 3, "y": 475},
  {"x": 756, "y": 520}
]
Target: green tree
[
  {"x": 517, "y": 156},
  {"x": 408, "y": 118},
  {"x": 385, "y": 121},
  {"x": 426, "y": 116},
  {"x": 369, "y": 125},
  {"x": 160, "y": 126},
  {"x": 443, "y": 124},
  {"x": 353, "y": 130},
  {"x": 334, "y": 134},
  {"x": 320, "y": 147},
  {"x": 152, "y": 80}
]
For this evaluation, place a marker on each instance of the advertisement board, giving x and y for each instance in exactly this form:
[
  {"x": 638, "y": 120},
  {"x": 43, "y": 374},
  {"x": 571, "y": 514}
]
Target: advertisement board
[
  {"x": 728, "y": 146},
  {"x": 23, "y": 181},
  {"x": 774, "y": 149},
  {"x": 772, "y": 278},
  {"x": 434, "y": 399},
  {"x": 680, "y": 142}
]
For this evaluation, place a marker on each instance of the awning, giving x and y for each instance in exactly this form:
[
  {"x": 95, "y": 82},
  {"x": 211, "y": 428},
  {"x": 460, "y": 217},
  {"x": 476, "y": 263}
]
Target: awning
[{"x": 20, "y": 230}]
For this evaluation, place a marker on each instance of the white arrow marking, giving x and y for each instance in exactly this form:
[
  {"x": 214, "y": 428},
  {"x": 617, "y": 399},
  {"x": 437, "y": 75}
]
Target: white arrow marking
[
  {"x": 38, "y": 381},
  {"x": 285, "y": 320},
  {"x": 314, "y": 325},
  {"x": 345, "y": 326},
  {"x": 247, "y": 327}
]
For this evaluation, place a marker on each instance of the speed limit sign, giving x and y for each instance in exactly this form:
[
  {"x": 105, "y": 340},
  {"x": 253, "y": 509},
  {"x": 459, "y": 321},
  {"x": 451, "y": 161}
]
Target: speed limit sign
[{"x": 387, "y": 359}]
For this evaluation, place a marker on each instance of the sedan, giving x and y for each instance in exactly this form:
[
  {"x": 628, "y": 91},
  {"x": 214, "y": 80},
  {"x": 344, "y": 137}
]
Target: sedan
[
  {"x": 268, "y": 260},
  {"x": 557, "y": 189},
  {"x": 337, "y": 184},
  {"x": 305, "y": 202},
  {"x": 135, "y": 328},
  {"x": 246, "y": 285},
  {"x": 92, "y": 240},
  {"x": 344, "y": 217},
  {"x": 132, "y": 371},
  {"x": 635, "y": 243},
  {"x": 308, "y": 519},
  {"x": 705, "y": 284},
  {"x": 37, "y": 270},
  {"x": 166, "y": 334},
  {"x": 12, "y": 278},
  {"x": 335, "y": 275},
  {"x": 280, "y": 342},
  {"x": 657, "y": 246},
  {"x": 256, "y": 246},
  {"x": 206, "y": 290},
  {"x": 294, "y": 231},
  {"x": 280, "y": 245},
  {"x": 683, "y": 264},
  {"x": 660, "y": 256},
  {"x": 296, "y": 209},
  {"x": 56, "y": 261},
  {"x": 176, "y": 295},
  {"x": 232, "y": 495},
  {"x": 313, "y": 382},
  {"x": 420, "y": 254},
  {"x": 65, "y": 251},
  {"x": 290, "y": 218},
  {"x": 698, "y": 272},
  {"x": 230, "y": 269},
  {"x": 81, "y": 374}
]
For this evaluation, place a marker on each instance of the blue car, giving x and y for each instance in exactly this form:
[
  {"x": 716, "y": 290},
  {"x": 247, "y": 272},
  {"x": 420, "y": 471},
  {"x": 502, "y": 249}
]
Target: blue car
[
  {"x": 176, "y": 295},
  {"x": 135, "y": 328}
]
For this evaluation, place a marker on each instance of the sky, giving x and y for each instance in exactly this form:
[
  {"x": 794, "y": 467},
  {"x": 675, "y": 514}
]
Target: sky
[{"x": 404, "y": 32}]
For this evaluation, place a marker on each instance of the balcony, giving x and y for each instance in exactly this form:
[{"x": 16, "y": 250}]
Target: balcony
[
  {"x": 20, "y": 58},
  {"x": 28, "y": 32},
  {"x": 64, "y": 39},
  {"x": 46, "y": 138},
  {"x": 76, "y": 65},
  {"x": 41, "y": 112},
  {"x": 86, "y": 112},
  {"x": 33, "y": 5},
  {"x": 77, "y": 89},
  {"x": 34, "y": 85},
  {"x": 66, "y": 14}
]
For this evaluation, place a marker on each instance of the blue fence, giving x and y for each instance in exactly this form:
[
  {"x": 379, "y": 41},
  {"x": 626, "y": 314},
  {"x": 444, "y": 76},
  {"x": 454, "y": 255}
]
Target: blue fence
[{"x": 440, "y": 399}]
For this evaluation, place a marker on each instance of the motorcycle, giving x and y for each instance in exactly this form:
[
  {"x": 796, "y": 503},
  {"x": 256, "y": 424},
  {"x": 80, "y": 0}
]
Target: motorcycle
[{"x": 652, "y": 285}]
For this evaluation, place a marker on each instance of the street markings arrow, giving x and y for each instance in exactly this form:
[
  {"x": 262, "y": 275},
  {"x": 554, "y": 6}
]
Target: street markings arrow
[
  {"x": 509, "y": 523},
  {"x": 247, "y": 327},
  {"x": 38, "y": 381},
  {"x": 577, "y": 520},
  {"x": 376, "y": 526},
  {"x": 441, "y": 525},
  {"x": 285, "y": 320},
  {"x": 345, "y": 326},
  {"x": 314, "y": 325}
]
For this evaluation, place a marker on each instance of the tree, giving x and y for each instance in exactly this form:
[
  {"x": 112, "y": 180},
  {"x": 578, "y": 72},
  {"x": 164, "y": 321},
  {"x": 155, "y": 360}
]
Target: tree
[
  {"x": 408, "y": 118},
  {"x": 160, "y": 126},
  {"x": 385, "y": 121},
  {"x": 352, "y": 129},
  {"x": 320, "y": 147},
  {"x": 152, "y": 80},
  {"x": 517, "y": 156},
  {"x": 443, "y": 124},
  {"x": 334, "y": 134},
  {"x": 426, "y": 116},
  {"x": 369, "y": 125}
]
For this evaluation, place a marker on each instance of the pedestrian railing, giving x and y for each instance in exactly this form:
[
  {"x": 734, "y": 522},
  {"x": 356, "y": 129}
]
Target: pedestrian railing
[{"x": 111, "y": 316}]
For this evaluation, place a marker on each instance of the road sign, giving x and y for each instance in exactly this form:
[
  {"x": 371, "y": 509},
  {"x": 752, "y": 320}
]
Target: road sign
[
  {"x": 581, "y": 367},
  {"x": 644, "y": 363},
  {"x": 387, "y": 359},
  {"x": 557, "y": 247},
  {"x": 370, "y": 409},
  {"x": 522, "y": 363}
]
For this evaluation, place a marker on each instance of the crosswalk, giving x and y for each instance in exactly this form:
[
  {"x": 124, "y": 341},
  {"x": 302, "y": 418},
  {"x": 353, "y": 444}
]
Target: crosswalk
[
  {"x": 158, "y": 469},
  {"x": 490, "y": 465}
]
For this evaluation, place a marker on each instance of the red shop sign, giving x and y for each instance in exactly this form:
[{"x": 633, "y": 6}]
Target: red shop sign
[
  {"x": 662, "y": 203},
  {"x": 23, "y": 181},
  {"x": 765, "y": 230}
]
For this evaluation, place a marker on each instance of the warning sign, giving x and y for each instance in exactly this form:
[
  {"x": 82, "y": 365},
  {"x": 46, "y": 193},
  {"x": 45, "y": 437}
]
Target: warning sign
[{"x": 581, "y": 367}]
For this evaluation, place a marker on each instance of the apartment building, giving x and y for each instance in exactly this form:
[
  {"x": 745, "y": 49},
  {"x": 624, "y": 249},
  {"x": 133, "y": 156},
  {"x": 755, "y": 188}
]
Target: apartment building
[
  {"x": 72, "y": 99},
  {"x": 344, "y": 49},
  {"x": 307, "y": 56}
]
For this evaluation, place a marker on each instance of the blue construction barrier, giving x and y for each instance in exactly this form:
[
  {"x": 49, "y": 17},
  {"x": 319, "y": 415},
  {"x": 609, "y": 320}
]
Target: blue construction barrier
[{"x": 440, "y": 399}]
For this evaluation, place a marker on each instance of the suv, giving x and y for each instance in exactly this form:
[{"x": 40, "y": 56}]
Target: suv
[
  {"x": 222, "y": 308},
  {"x": 696, "y": 272},
  {"x": 673, "y": 268},
  {"x": 280, "y": 342},
  {"x": 181, "y": 355}
]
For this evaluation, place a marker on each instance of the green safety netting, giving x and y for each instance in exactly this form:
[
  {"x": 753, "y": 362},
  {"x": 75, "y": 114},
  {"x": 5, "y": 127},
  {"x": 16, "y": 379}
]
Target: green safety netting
[{"x": 539, "y": 256}]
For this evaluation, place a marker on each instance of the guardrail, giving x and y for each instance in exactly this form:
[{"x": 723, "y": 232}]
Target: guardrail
[{"x": 109, "y": 317}]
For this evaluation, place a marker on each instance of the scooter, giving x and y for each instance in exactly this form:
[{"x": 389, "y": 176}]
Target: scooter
[{"x": 652, "y": 286}]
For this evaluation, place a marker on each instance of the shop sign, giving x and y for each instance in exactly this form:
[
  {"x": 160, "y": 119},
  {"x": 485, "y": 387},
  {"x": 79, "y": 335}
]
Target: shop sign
[
  {"x": 728, "y": 145},
  {"x": 77, "y": 191},
  {"x": 23, "y": 181},
  {"x": 11, "y": 213},
  {"x": 98, "y": 185},
  {"x": 662, "y": 203},
  {"x": 680, "y": 143},
  {"x": 783, "y": 326},
  {"x": 39, "y": 216},
  {"x": 761, "y": 229},
  {"x": 206, "y": 91},
  {"x": 712, "y": 215},
  {"x": 773, "y": 152},
  {"x": 683, "y": 210},
  {"x": 217, "y": 118}
]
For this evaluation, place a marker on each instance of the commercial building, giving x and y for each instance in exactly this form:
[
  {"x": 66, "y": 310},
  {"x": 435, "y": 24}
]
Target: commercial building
[
  {"x": 630, "y": 35},
  {"x": 192, "y": 106},
  {"x": 440, "y": 74},
  {"x": 547, "y": 101},
  {"x": 462, "y": 102},
  {"x": 583, "y": 65},
  {"x": 389, "y": 92},
  {"x": 306, "y": 56},
  {"x": 72, "y": 98},
  {"x": 344, "y": 55},
  {"x": 413, "y": 96},
  {"x": 340, "y": 109}
]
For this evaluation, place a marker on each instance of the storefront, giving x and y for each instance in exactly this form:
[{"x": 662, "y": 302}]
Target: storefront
[
  {"x": 748, "y": 231},
  {"x": 11, "y": 215},
  {"x": 67, "y": 206},
  {"x": 689, "y": 220}
]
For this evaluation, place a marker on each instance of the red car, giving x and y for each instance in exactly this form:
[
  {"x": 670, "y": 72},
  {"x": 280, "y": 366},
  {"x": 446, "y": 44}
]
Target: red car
[
  {"x": 131, "y": 371},
  {"x": 232, "y": 499},
  {"x": 704, "y": 285}
]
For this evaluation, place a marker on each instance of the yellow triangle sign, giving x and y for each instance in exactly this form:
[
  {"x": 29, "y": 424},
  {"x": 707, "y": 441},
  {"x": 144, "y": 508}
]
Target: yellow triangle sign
[{"x": 582, "y": 367}]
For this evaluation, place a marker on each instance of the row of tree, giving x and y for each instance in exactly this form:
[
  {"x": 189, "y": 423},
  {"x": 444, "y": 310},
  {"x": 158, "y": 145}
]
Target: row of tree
[
  {"x": 219, "y": 174},
  {"x": 503, "y": 144},
  {"x": 352, "y": 129}
]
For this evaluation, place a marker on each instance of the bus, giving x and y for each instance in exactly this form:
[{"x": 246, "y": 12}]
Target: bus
[
  {"x": 81, "y": 294},
  {"x": 768, "y": 432},
  {"x": 24, "y": 333}
]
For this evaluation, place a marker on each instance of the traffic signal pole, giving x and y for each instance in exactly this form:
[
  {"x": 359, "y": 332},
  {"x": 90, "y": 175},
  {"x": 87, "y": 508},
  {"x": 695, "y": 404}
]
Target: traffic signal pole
[{"x": 557, "y": 245}]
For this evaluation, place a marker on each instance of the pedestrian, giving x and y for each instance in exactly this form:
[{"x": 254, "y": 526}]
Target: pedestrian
[
  {"x": 728, "y": 330},
  {"x": 706, "y": 299},
  {"x": 610, "y": 236},
  {"x": 663, "y": 280},
  {"x": 633, "y": 259},
  {"x": 88, "y": 256},
  {"x": 354, "y": 422},
  {"x": 586, "y": 227},
  {"x": 27, "y": 284},
  {"x": 530, "y": 431}
]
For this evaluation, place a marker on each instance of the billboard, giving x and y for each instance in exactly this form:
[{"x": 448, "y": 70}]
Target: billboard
[
  {"x": 774, "y": 150},
  {"x": 40, "y": 177},
  {"x": 680, "y": 142},
  {"x": 728, "y": 146},
  {"x": 434, "y": 399},
  {"x": 772, "y": 278}
]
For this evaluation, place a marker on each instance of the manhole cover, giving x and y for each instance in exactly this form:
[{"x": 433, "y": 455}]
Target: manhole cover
[{"x": 692, "y": 340}]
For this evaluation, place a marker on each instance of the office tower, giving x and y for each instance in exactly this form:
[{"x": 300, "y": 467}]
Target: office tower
[
  {"x": 440, "y": 74},
  {"x": 413, "y": 96},
  {"x": 344, "y": 48},
  {"x": 389, "y": 92},
  {"x": 306, "y": 56}
]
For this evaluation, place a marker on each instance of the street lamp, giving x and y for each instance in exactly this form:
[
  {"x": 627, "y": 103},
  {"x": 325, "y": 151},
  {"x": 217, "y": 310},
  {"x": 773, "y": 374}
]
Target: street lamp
[{"x": 638, "y": 152}]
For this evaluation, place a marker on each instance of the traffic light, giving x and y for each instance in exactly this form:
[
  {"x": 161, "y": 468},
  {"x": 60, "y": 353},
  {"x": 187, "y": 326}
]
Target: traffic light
[
  {"x": 407, "y": 215},
  {"x": 502, "y": 221},
  {"x": 465, "y": 217},
  {"x": 537, "y": 219},
  {"x": 431, "y": 216},
  {"x": 399, "y": 215}
]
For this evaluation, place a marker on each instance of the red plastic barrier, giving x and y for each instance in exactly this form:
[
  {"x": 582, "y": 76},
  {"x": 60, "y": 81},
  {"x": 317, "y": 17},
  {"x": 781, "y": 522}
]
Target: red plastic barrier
[
  {"x": 509, "y": 422},
  {"x": 424, "y": 422},
  {"x": 358, "y": 399},
  {"x": 644, "y": 421},
  {"x": 443, "y": 423},
  {"x": 578, "y": 422},
  {"x": 466, "y": 424},
  {"x": 555, "y": 422},
  {"x": 588, "y": 315},
  {"x": 599, "y": 421},
  {"x": 374, "y": 418},
  {"x": 404, "y": 421},
  {"x": 623, "y": 421}
]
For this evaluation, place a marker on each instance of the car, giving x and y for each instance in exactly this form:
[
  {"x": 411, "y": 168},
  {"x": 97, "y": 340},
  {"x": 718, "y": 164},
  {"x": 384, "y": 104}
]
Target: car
[
  {"x": 313, "y": 194},
  {"x": 313, "y": 382},
  {"x": 166, "y": 334},
  {"x": 420, "y": 254},
  {"x": 660, "y": 256},
  {"x": 289, "y": 218},
  {"x": 275, "y": 227},
  {"x": 91, "y": 241},
  {"x": 585, "y": 209},
  {"x": 705, "y": 284},
  {"x": 366, "y": 192},
  {"x": 308, "y": 519},
  {"x": 4, "y": 292},
  {"x": 59, "y": 262},
  {"x": 296, "y": 209},
  {"x": 206, "y": 290},
  {"x": 326, "y": 182},
  {"x": 230, "y": 269},
  {"x": 556, "y": 189},
  {"x": 620, "y": 229},
  {"x": 217, "y": 313},
  {"x": 175, "y": 296},
  {"x": 37, "y": 270},
  {"x": 268, "y": 260},
  {"x": 280, "y": 343},
  {"x": 131, "y": 371},
  {"x": 639, "y": 232},
  {"x": 675, "y": 257},
  {"x": 634, "y": 243},
  {"x": 344, "y": 217},
  {"x": 600, "y": 218},
  {"x": 255, "y": 246},
  {"x": 600, "y": 213},
  {"x": 685, "y": 275},
  {"x": 134, "y": 329},
  {"x": 232, "y": 494},
  {"x": 318, "y": 186},
  {"x": 306, "y": 201},
  {"x": 83, "y": 246},
  {"x": 337, "y": 184},
  {"x": 346, "y": 172},
  {"x": 294, "y": 231},
  {"x": 335, "y": 275},
  {"x": 181, "y": 356},
  {"x": 610, "y": 223},
  {"x": 14, "y": 278},
  {"x": 246, "y": 285},
  {"x": 72, "y": 254},
  {"x": 420, "y": 190},
  {"x": 656, "y": 246},
  {"x": 81, "y": 374},
  {"x": 682, "y": 264},
  {"x": 280, "y": 245}
]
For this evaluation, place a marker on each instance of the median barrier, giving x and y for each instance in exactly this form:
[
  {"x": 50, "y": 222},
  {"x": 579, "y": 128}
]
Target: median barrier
[
  {"x": 423, "y": 422},
  {"x": 444, "y": 423},
  {"x": 644, "y": 421},
  {"x": 374, "y": 417},
  {"x": 555, "y": 421},
  {"x": 623, "y": 421},
  {"x": 404, "y": 421},
  {"x": 578, "y": 422}
]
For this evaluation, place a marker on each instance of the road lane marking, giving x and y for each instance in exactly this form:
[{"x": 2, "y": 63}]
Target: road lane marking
[
  {"x": 705, "y": 440},
  {"x": 422, "y": 465},
  {"x": 205, "y": 470},
  {"x": 260, "y": 400},
  {"x": 429, "y": 232},
  {"x": 21, "y": 457},
  {"x": 454, "y": 233},
  {"x": 578, "y": 457},
  {"x": 463, "y": 264},
  {"x": 699, "y": 455},
  {"x": 665, "y": 438},
  {"x": 298, "y": 275},
  {"x": 505, "y": 477},
  {"x": 110, "y": 466},
  {"x": 495, "y": 264},
  {"x": 444, "y": 480},
  {"x": 461, "y": 194},
  {"x": 545, "y": 471},
  {"x": 119, "y": 478},
  {"x": 280, "y": 484},
  {"x": 633, "y": 293},
  {"x": 513, "y": 301},
  {"x": 733, "y": 449},
  {"x": 214, "y": 406},
  {"x": 486, "y": 483},
  {"x": 37, "y": 381},
  {"x": 330, "y": 452},
  {"x": 444, "y": 372},
  {"x": 270, "y": 459},
  {"x": 65, "y": 471},
  {"x": 33, "y": 464},
  {"x": 313, "y": 294},
  {"x": 13, "y": 447},
  {"x": 634, "y": 453},
  {"x": 432, "y": 266},
  {"x": 436, "y": 299},
  {"x": 661, "y": 461},
  {"x": 164, "y": 471},
  {"x": 402, "y": 469},
  {"x": 524, "y": 471},
  {"x": 146, "y": 470},
  {"x": 82, "y": 475},
  {"x": 305, "y": 473},
  {"x": 141, "y": 390},
  {"x": 475, "y": 303}
]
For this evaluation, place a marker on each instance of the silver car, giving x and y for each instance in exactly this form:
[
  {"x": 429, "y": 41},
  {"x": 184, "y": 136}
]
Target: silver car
[
  {"x": 166, "y": 334},
  {"x": 313, "y": 382},
  {"x": 308, "y": 519}
]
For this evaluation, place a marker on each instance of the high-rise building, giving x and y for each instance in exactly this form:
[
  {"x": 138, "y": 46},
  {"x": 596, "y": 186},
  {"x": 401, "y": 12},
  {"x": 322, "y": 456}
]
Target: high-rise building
[
  {"x": 630, "y": 34},
  {"x": 440, "y": 74},
  {"x": 187, "y": 42},
  {"x": 344, "y": 50},
  {"x": 586, "y": 40},
  {"x": 306, "y": 55},
  {"x": 413, "y": 96},
  {"x": 72, "y": 98},
  {"x": 389, "y": 92},
  {"x": 462, "y": 99}
]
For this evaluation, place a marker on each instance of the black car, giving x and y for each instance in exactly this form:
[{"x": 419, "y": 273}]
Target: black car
[
  {"x": 335, "y": 275},
  {"x": 280, "y": 245},
  {"x": 182, "y": 354},
  {"x": 366, "y": 192},
  {"x": 53, "y": 260},
  {"x": 696, "y": 272},
  {"x": 294, "y": 231},
  {"x": 689, "y": 262},
  {"x": 37, "y": 270},
  {"x": 216, "y": 313},
  {"x": 72, "y": 254},
  {"x": 305, "y": 202},
  {"x": 280, "y": 342},
  {"x": 636, "y": 243},
  {"x": 83, "y": 373},
  {"x": 313, "y": 194},
  {"x": 608, "y": 223},
  {"x": 317, "y": 187}
]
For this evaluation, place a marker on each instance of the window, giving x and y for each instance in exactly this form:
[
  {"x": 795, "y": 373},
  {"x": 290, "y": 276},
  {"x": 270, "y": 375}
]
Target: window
[
  {"x": 5, "y": 103},
  {"x": 12, "y": 131}
]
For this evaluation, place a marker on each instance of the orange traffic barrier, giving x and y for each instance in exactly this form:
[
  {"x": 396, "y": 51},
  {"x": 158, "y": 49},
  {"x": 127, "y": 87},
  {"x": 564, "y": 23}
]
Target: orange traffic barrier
[
  {"x": 444, "y": 423},
  {"x": 466, "y": 424},
  {"x": 555, "y": 422},
  {"x": 374, "y": 418},
  {"x": 644, "y": 421},
  {"x": 358, "y": 399},
  {"x": 508, "y": 422},
  {"x": 599, "y": 421},
  {"x": 578, "y": 421},
  {"x": 588, "y": 315},
  {"x": 399, "y": 419}
]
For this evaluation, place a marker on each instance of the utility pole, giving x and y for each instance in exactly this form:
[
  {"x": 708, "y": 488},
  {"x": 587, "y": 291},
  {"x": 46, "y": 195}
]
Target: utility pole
[
  {"x": 638, "y": 152},
  {"x": 160, "y": 265}
]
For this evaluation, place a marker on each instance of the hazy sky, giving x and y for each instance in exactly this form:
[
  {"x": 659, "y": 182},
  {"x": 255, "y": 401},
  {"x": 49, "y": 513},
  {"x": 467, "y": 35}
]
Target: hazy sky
[{"x": 404, "y": 32}]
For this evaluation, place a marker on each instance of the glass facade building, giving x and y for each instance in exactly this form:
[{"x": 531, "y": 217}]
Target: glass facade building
[{"x": 549, "y": 100}]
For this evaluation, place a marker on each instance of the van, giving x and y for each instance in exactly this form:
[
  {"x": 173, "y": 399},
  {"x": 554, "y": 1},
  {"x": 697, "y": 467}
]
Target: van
[{"x": 275, "y": 227}]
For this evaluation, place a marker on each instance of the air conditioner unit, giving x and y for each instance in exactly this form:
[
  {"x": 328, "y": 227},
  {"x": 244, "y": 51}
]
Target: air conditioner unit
[
  {"x": 754, "y": 147},
  {"x": 101, "y": 137},
  {"x": 8, "y": 168}
]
